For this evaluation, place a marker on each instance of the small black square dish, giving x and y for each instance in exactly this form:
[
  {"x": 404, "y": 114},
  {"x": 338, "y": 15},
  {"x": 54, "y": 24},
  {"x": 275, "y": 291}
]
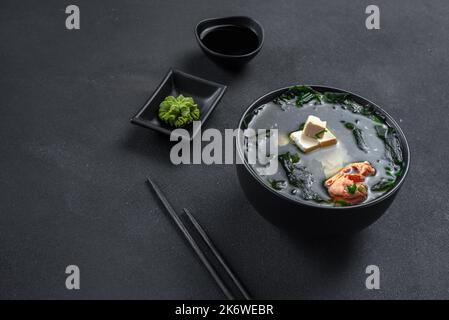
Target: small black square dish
[{"x": 205, "y": 93}]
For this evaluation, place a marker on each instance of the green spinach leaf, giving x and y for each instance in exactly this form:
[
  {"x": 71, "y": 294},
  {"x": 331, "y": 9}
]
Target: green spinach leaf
[{"x": 352, "y": 188}]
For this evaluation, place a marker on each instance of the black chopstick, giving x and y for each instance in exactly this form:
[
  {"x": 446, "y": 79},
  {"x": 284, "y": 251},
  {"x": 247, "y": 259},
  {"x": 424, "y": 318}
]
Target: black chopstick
[
  {"x": 237, "y": 291},
  {"x": 218, "y": 257}
]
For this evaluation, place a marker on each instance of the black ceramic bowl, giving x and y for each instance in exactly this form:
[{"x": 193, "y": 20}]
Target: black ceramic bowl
[
  {"x": 204, "y": 28},
  {"x": 304, "y": 217}
]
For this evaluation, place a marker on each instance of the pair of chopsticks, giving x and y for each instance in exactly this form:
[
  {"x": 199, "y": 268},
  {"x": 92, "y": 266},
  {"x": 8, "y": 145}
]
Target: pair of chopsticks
[{"x": 205, "y": 249}]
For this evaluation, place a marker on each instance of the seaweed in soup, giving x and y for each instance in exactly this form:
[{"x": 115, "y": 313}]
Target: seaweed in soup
[
  {"x": 299, "y": 176},
  {"x": 368, "y": 111},
  {"x": 301, "y": 94},
  {"x": 392, "y": 143},
  {"x": 335, "y": 97},
  {"x": 305, "y": 94},
  {"x": 278, "y": 184},
  {"x": 393, "y": 153},
  {"x": 358, "y": 135}
]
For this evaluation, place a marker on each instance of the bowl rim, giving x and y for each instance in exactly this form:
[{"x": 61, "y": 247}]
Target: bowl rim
[
  {"x": 231, "y": 56},
  {"x": 389, "y": 193}
]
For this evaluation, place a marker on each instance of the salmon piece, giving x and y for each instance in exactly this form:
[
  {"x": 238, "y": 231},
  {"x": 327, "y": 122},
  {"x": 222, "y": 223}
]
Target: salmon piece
[
  {"x": 364, "y": 168},
  {"x": 348, "y": 184}
]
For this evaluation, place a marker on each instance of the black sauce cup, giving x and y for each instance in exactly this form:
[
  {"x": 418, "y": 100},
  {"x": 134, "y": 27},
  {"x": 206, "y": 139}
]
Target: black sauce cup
[
  {"x": 235, "y": 21},
  {"x": 306, "y": 218}
]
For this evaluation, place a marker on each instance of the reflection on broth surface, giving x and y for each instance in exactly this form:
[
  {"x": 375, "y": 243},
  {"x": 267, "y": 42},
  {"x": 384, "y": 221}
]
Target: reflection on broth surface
[{"x": 361, "y": 135}]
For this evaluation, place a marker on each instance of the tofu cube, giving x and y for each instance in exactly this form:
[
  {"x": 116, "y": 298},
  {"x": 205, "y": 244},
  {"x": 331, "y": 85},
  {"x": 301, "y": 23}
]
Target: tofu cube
[
  {"x": 305, "y": 143},
  {"x": 283, "y": 139},
  {"x": 327, "y": 139},
  {"x": 314, "y": 126}
]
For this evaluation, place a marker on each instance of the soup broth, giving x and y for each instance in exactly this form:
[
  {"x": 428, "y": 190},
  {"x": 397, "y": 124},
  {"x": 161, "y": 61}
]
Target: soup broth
[{"x": 362, "y": 135}]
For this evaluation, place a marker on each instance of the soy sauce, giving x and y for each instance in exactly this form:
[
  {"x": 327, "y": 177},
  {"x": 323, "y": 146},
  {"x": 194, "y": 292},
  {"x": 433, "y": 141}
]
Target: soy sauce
[{"x": 230, "y": 40}]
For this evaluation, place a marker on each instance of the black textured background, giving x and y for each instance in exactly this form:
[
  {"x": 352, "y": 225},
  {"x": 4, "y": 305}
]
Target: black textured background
[{"x": 72, "y": 167}]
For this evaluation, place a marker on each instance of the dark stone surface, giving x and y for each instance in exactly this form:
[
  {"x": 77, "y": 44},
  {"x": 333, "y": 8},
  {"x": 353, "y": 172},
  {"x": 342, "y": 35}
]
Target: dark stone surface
[{"x": 72, "y": 167}]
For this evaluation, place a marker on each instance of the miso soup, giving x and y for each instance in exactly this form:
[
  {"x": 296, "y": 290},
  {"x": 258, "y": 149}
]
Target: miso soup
[{"x": 363, "y": 136}]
